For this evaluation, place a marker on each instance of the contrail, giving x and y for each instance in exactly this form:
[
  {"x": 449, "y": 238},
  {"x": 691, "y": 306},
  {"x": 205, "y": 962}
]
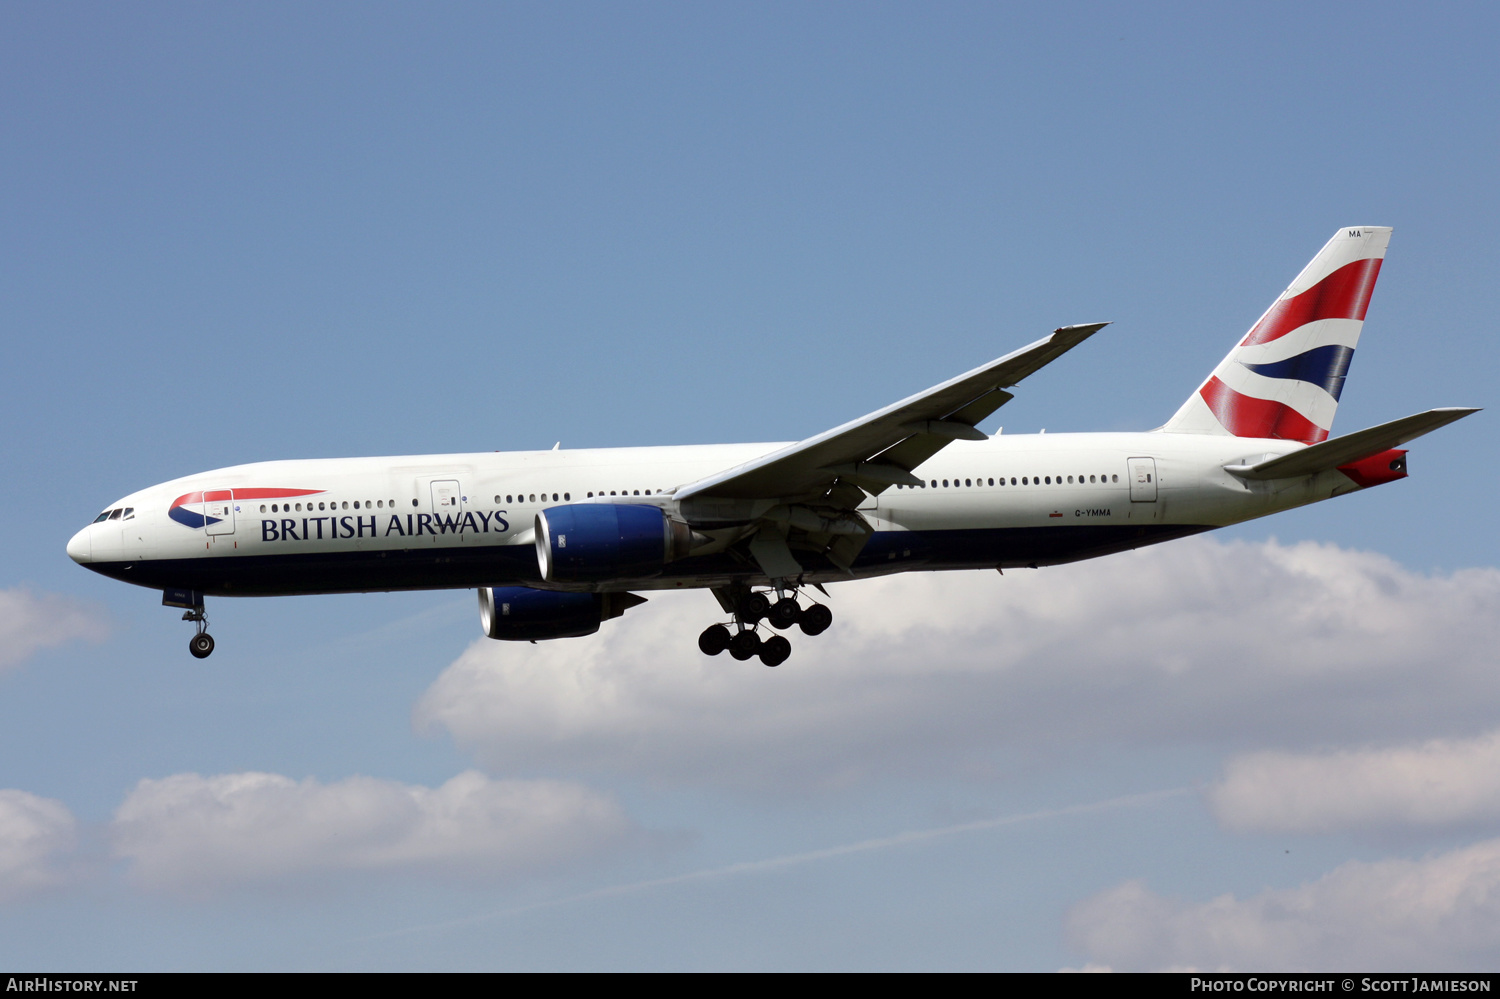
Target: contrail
[{"x": 794, "y": 859}]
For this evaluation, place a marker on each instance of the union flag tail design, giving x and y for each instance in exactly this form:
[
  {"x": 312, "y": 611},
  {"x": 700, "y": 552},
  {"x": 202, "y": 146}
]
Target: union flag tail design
[{"x": 1284, "y": 378}]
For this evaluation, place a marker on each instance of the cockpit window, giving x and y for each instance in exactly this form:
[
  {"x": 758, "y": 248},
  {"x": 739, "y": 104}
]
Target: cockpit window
[
  {"x": 115, "y": 513},
  {"x": 129, "y": 513},
  {"x": 102, "y": 516}
]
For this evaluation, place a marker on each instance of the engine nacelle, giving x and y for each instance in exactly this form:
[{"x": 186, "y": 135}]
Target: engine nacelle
[
  {"x": 592, "y": 542},
  {"x": 521, "y": 614}
]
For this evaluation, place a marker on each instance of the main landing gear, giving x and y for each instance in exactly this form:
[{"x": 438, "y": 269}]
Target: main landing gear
[
  {"x": 201, "y": 645},
  {"x": 750, "y": 609}
]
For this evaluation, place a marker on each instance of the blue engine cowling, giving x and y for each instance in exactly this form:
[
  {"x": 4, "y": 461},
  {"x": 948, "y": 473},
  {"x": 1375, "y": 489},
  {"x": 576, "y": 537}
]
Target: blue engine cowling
[
  {"x": 521, "y": 614},
  {"x": 594, "y": 542}
]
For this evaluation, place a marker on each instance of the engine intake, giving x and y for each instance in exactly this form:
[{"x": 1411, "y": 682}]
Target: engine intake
[
  {"x": 592, "y": 542},
  {"x": 521, "y": 614}
]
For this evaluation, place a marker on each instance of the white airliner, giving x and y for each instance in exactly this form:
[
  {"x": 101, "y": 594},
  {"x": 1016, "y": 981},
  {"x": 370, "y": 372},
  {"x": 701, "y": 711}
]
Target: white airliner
[{"x": 557, "y": 541}]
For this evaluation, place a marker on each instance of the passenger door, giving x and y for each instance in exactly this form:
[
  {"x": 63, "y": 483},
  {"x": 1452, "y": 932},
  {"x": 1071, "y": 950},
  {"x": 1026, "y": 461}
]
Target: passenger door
[
  {"x": 447, "y": 506},
  {"x": 1142, "y": 479},
  {"x": 218, "y": 511}
]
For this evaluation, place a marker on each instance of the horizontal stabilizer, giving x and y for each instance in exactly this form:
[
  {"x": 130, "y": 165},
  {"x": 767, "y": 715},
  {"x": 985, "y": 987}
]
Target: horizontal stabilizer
[{"x": 1351, "y": 447}]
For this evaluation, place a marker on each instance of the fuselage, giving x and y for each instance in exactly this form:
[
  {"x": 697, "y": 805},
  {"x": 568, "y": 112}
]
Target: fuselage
[
  {"x": 467, "y": 520},
  {"x": 555, "y": 541}
]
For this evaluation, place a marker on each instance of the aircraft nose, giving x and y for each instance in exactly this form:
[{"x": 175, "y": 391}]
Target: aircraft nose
[{"x": 80, "y": 548}]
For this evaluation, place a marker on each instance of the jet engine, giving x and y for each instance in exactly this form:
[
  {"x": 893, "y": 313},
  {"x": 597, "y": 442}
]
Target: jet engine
[
  {"x": 593, "y": 542},
  {"x": 521, "y": 614}
]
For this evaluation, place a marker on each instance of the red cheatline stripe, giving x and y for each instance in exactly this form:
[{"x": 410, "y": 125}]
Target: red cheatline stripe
[
  {"x": 1344, "y": 294},
  {"x": 243, "y": 494},
  {"x": 1247, "y": 416},
  {"x": 273, "y": 493}
]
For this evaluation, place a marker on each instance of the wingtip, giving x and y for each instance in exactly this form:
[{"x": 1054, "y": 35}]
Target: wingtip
[{"x": 1080, "y": 327}]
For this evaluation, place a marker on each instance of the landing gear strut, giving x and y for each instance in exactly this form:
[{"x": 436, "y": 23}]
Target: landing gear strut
[
  {"x": 201, "y": 645},
  {"x": 750, "y": 608}
]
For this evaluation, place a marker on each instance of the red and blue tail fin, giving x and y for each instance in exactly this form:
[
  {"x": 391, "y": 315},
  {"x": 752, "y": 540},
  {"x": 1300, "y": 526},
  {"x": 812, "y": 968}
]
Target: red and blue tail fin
[{"x": 1284, "y": 378}]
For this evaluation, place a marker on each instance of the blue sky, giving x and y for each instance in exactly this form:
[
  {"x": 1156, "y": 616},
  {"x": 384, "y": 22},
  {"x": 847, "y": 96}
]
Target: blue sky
[{"x": 233, "y": 234}]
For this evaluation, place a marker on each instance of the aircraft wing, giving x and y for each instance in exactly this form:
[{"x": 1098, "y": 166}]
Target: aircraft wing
[
  {"x": 881, "y": 449},
  {"x": 1351, "y": 447}
]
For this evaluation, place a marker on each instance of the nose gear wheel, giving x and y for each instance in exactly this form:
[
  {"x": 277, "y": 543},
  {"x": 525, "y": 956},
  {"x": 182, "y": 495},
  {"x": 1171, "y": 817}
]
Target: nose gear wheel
[{"x": 201, "y": 645}]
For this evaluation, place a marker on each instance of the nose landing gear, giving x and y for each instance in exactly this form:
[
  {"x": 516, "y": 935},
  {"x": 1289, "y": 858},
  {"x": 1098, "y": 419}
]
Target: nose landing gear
[
  {"x": 752, "y": 608},
  {"x": 201, "y": 645}
]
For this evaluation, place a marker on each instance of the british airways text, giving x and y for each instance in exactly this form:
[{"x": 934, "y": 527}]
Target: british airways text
[{"x": 320, "y": 528}]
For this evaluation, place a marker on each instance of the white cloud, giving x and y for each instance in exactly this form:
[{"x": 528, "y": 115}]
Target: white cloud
[
  {"x": 1443, "y": 782},
  {"x": 190, "y": 835},
  {"x": 29, "y": 622},
  {"x": 1439, "y": 913},
  {"x": 34, "y": 835},
  {"x": 1199, "y": 641}
]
